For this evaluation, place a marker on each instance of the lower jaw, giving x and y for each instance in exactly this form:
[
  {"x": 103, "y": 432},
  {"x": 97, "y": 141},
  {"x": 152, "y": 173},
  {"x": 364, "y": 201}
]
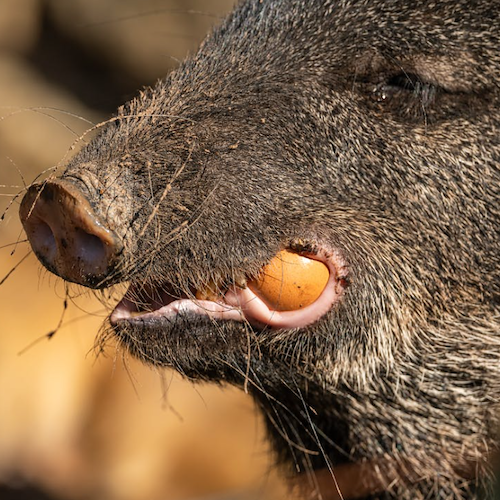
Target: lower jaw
[{"x": 191, "y": 344}]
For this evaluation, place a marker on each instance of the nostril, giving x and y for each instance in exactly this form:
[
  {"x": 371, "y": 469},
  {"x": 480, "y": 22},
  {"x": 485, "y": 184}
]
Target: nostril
[
  {"x": 43, "y": 240},
  {"x": 90, "y": 250},
  {"x": 67, "y": 235}
]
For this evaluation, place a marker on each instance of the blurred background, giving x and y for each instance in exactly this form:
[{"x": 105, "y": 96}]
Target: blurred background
[{"x": 75, "y": 426}]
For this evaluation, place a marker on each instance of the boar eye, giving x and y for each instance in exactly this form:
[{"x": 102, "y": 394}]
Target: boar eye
[
  {"x": 406, "y": 85},
  {"x": 290, "y": 281}
]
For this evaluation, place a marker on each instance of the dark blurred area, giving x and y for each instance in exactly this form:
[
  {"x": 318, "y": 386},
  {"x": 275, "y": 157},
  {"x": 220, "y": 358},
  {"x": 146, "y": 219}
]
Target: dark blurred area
[
  {"x": 69, "y": 64},
  {"x": 74, "y": 426},
  {"x": 22, "y": 493}
]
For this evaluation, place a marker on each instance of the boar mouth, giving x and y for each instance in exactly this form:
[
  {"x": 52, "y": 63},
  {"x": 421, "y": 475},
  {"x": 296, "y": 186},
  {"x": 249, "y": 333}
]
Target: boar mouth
[
  {"x": 143, "y": 304},
  {"x": 148, "y": 304}
]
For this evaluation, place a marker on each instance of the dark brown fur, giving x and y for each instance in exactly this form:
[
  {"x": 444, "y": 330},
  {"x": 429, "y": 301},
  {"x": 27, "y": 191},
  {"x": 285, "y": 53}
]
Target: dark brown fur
[{"x": 368, "y": 127}]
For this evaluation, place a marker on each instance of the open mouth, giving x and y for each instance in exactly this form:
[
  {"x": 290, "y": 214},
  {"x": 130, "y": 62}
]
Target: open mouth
[{"x": 294, "y": 290}]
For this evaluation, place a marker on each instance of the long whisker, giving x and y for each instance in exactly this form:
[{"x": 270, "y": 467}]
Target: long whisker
[
  {"x": 150, "y": 13},
  {"x": 14, "y": 268},
  {"x": 48, "y": 335}
]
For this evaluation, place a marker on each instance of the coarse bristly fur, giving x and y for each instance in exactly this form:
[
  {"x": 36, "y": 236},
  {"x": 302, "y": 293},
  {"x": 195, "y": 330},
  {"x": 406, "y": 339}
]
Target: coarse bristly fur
[{"x": 370, "y": 128}]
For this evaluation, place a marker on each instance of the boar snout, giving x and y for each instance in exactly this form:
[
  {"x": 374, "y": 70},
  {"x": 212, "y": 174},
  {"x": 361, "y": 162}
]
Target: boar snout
[{"x": 67, "y": 235}]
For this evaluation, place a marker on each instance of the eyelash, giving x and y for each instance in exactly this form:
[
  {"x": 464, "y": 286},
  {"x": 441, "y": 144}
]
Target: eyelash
[{"x": 406, "y": 85}]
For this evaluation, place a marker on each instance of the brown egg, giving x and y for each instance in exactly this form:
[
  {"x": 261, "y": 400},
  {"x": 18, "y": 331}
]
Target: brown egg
[
  {"x": 210, "y": 292},
  {"x": 290, "y": 281}
]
